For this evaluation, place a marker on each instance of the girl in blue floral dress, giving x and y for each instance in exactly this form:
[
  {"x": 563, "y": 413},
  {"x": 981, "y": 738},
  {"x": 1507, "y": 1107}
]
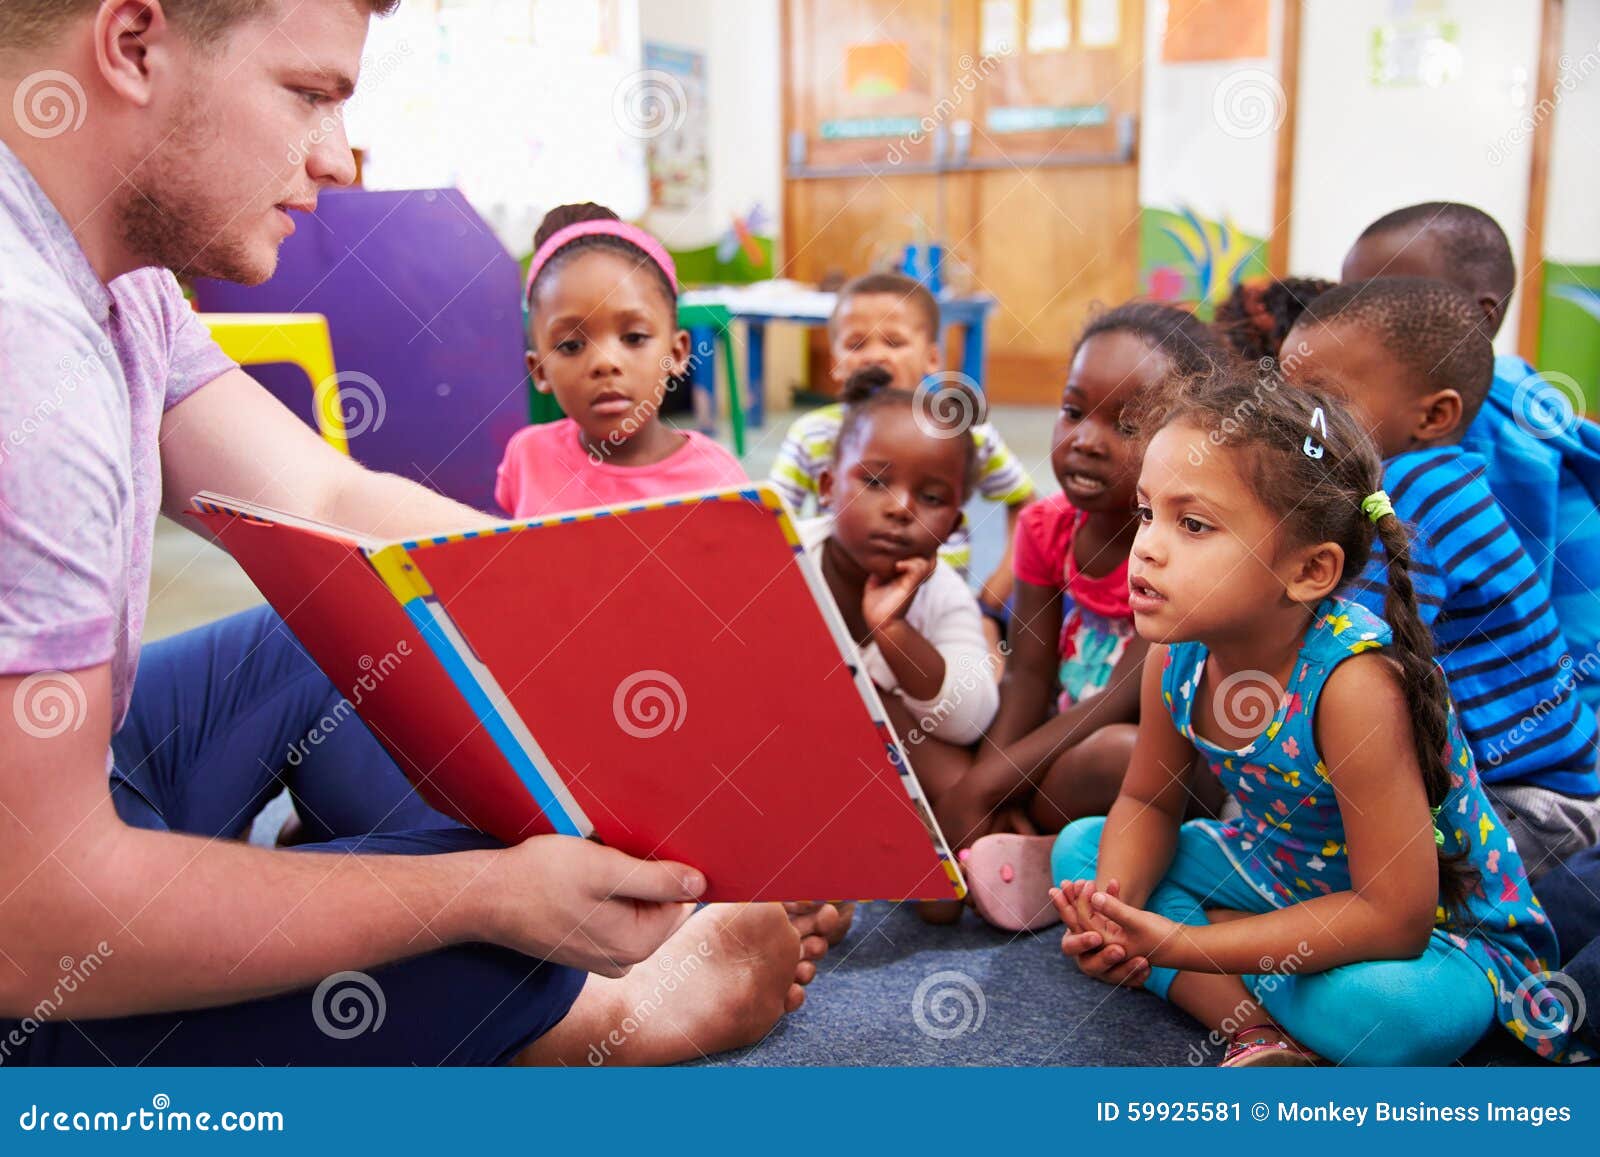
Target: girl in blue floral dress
[{"x": 1336, "y": 919}]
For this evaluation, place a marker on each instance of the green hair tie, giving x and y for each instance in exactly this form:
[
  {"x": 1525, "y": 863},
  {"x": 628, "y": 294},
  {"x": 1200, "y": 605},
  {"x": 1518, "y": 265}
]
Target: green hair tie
[
  {"x": 1438, "y": 836},
  {"x": 1377, "y": 505}
]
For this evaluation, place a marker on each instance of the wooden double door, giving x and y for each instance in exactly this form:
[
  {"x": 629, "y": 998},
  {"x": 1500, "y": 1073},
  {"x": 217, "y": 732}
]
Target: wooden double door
[{"x": 1004, "y": 130}]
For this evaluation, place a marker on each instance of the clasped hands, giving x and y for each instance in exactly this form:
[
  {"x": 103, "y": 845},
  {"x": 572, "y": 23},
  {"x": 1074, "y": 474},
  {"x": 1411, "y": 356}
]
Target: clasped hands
[{"x": 1111, "y": 940}]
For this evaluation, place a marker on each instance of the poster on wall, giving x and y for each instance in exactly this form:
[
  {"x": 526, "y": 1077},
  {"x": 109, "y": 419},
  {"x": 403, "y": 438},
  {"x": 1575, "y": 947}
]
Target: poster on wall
[
  {"x": 1415, "y": 53},
  {"x": 1216, "y": 30},
  {"x": 877, "y": 68},
  {"x": 679, "y": 146}
]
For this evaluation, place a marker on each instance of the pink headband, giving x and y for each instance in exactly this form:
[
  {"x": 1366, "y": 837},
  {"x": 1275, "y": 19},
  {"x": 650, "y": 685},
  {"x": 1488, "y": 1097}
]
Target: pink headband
[{"x": 608, "y": 228}]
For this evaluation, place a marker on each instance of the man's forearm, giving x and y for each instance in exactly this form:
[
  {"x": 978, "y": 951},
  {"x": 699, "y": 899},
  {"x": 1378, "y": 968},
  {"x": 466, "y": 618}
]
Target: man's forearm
[
  {"x": 389, "y": 506},
  {"x": 191, "y": 923}
]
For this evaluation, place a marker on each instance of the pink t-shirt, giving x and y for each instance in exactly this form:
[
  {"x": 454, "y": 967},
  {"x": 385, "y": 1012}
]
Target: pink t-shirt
[
  {"x": 546, "y": 470},
  {"x": 1098, "y": 622}
]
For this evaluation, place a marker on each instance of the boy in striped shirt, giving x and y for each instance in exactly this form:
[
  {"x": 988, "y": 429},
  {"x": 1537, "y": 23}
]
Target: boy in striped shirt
[
  {"x": 1542, "y": 460},
  {"x": 890, "y": 321},
  {"x": 1413, "y": 356}
]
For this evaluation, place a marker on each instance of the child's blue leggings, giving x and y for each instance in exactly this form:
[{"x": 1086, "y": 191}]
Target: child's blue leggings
[{"x": 1427, "y": 1011}]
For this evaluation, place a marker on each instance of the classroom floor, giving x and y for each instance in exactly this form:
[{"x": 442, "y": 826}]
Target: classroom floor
[{"x": 897, "y": 991}]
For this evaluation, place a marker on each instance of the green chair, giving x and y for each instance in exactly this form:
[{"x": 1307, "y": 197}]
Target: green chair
[{"x": 708, "y": 325}]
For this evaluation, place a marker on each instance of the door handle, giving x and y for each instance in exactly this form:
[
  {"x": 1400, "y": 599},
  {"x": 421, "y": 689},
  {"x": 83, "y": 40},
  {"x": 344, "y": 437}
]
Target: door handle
[{"x": 961, "y": 133}]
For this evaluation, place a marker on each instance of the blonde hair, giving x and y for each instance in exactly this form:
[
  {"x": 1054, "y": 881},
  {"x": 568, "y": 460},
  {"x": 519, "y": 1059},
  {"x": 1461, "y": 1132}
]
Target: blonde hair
[{"x": 32, "y": 23}]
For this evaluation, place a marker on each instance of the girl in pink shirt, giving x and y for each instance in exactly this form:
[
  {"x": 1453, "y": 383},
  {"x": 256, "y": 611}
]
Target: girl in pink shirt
[
  {"x": 603, "y": 337},
  {"x": 1069, "y": 704}
]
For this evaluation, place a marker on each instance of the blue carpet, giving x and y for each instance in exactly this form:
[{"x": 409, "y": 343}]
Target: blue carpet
[{"x": 900, "y": 992}]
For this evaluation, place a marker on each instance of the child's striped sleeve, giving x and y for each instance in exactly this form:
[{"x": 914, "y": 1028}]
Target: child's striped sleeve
[
  {"x": 793, "y": 473},
  {"x": 1001, "y": 477}
]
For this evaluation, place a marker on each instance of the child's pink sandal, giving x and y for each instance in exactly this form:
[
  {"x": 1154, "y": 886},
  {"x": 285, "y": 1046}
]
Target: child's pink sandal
[
  {"x": 1008, "y": 878},
  {"x": 1249, "y": 1049}
]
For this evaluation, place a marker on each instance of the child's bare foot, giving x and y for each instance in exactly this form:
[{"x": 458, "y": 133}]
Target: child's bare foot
[
  {"x": 1009, "y": 881},
  {"x": 721, "y": 982},
  {"x": 940, "y": 911}
]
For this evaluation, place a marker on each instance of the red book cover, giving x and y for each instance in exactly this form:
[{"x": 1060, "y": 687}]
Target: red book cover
[
  {"x": 669, "y": 678},
  {"x": 328, "y": 594}
]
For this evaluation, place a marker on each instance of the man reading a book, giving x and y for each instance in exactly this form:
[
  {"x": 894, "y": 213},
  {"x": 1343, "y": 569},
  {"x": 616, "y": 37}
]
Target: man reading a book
[{"x": 143, "y": 138}]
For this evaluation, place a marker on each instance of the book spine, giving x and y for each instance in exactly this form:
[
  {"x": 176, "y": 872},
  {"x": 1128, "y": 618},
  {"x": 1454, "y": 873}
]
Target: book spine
[{"x": 486, "y": 700}]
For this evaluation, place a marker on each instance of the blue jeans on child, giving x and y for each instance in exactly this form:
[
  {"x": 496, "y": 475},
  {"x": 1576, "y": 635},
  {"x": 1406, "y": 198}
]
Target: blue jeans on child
[
  {"x": 1427, "y": 1011},
  {"x": 221, "y": 721},
  {"x": 1571, "y": 898}
]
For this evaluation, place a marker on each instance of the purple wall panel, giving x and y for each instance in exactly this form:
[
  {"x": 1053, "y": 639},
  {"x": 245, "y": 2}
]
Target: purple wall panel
[{"x": 421, "y": 298}]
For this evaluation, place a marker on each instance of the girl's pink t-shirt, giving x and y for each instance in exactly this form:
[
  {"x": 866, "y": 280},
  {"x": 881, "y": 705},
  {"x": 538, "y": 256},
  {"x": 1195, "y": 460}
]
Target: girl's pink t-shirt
[
  {"x": 1098, "y": 622},
  {"x": 546, "y": 470}
]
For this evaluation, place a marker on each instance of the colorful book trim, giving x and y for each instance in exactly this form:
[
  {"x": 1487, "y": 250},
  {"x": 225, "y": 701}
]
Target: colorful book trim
[{"x": 483, "y": 693}]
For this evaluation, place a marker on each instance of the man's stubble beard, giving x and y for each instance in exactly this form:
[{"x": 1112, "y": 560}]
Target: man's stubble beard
[{"x": 169, "y": 217}]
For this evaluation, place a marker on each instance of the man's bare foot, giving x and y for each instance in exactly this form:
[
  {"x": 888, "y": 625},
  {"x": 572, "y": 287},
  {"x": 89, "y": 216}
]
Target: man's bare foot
[
  {"x": 847, "y": 917},
  {"x": 721, "y": 982},
  {"x": 821, "y": 925}
]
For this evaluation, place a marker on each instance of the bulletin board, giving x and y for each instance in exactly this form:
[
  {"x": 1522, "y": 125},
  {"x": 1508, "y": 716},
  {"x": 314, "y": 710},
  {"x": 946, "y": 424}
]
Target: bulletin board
[{"x": 673, "y": 113}]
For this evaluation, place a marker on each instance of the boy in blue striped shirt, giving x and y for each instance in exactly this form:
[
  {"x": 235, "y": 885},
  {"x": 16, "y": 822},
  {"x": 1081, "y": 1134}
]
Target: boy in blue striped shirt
[
  {"x": 1541, "y": 457},
  {"x": 1413, "y": 356}
]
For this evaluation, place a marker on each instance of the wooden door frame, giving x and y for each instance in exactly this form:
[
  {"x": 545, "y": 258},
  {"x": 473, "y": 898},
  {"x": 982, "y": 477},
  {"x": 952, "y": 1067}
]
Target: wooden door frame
[
  {"x": 1283, "y": 166},
  {"x": 1530, "y": 314},
  {"x": 780, "y": 256}
]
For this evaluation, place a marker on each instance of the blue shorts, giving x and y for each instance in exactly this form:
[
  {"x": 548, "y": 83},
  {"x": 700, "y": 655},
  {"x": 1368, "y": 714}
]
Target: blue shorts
[{"x": 218, "y": 726}]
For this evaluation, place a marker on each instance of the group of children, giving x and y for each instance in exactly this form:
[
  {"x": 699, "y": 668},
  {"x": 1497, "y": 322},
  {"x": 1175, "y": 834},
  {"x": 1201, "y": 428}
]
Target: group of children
[{"x": 1293, "y": 709}]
